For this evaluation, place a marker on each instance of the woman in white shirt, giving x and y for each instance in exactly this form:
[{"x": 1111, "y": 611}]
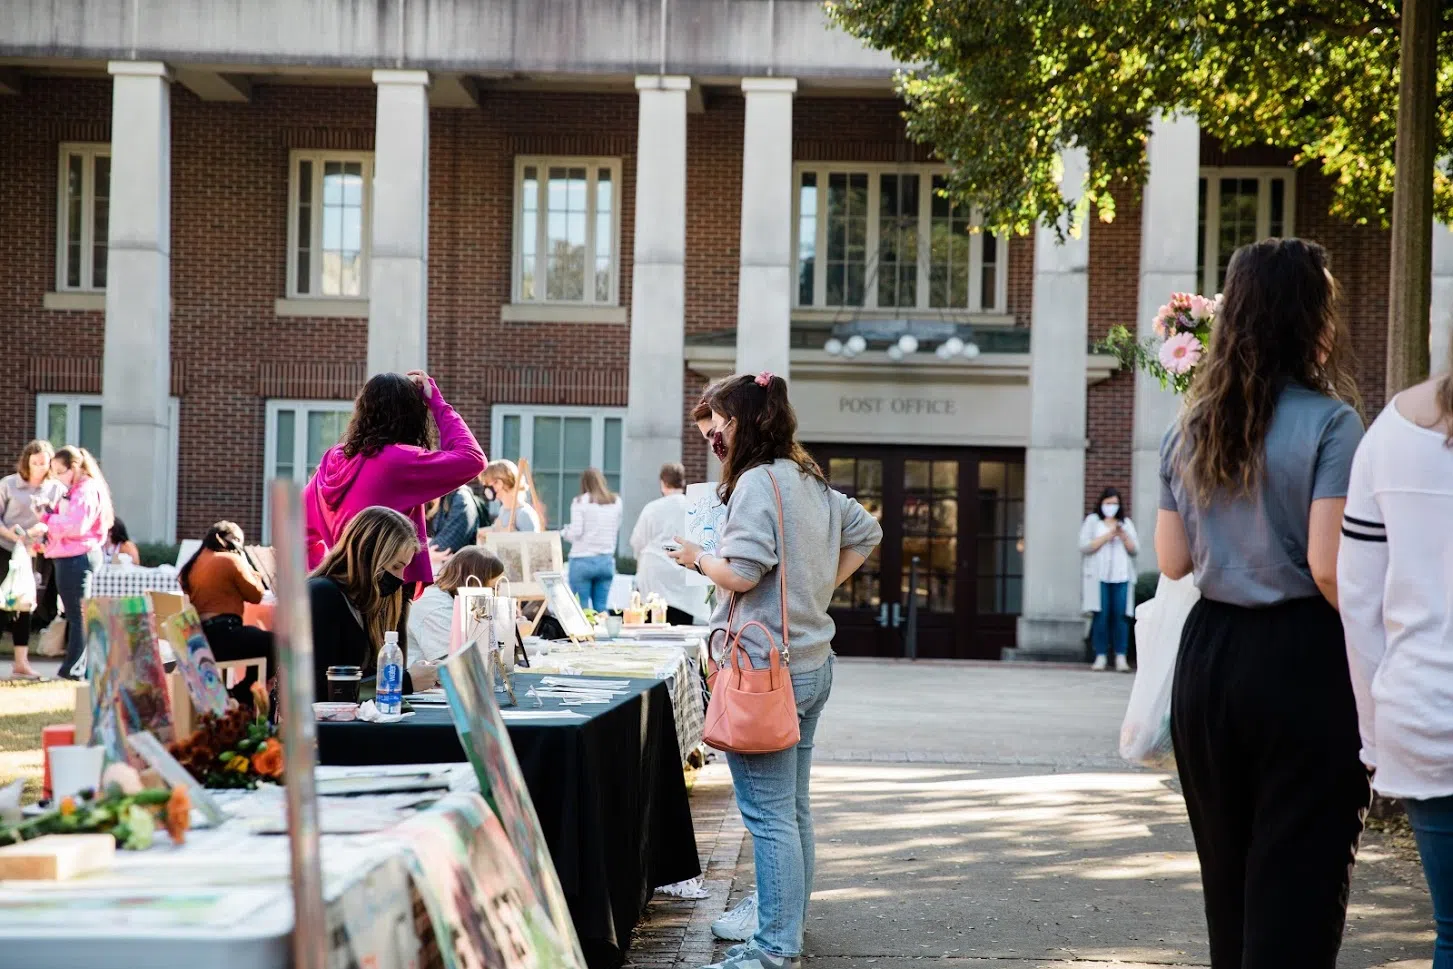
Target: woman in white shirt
[
  {"x": 431, "y": 617},
  {"x": 1394, "y": 576},
  {"x": 658, "y": 525},
  {"x": 1108, "y": 542},
  {"x": 595, "y": 525}
]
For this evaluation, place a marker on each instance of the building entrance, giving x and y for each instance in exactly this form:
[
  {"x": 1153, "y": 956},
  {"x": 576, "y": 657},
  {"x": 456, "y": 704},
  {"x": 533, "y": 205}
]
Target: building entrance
[{"x": 947, "y": 580}]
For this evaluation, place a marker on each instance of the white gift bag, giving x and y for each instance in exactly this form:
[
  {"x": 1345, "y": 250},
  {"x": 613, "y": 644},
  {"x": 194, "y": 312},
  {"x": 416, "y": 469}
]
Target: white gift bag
[
  {"x": 1145, "y": 735},
  {"x": 17, "y": 589}
]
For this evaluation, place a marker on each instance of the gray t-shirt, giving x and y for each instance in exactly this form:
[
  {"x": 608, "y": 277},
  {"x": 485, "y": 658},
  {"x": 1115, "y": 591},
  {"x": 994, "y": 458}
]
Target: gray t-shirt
[{"x": 1252, "y": 551}]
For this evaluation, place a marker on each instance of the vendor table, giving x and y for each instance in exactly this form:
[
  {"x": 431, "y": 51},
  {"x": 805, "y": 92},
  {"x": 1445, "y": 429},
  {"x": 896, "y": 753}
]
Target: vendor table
[{"x": 607, "y": 784}]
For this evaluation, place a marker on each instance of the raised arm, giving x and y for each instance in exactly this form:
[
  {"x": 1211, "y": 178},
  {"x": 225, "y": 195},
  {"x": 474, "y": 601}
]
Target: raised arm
[{"x": 427, "y": 475}]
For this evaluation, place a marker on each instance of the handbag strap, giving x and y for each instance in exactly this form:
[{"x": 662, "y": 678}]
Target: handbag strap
[{"x": 781, "y": 583}]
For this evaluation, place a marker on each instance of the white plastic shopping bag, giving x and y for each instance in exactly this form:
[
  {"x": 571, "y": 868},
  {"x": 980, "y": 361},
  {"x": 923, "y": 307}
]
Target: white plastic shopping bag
[
  {"x": 1145, "y": 735},
  {"x": 17, "y": 589}
]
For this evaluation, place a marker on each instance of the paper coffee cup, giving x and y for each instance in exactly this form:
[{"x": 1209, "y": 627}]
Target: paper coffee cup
[{"x": 74, "y": 768}]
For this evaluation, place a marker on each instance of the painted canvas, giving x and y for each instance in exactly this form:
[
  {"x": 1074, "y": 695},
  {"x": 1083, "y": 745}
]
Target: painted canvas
[
  {"x": 486, "y": 741},
  {"x": 195, "y": 662},
  {"x": 705, "y": 515},
  {"x": 523, "y": 555},
  {"x": 126, "y": 676}
]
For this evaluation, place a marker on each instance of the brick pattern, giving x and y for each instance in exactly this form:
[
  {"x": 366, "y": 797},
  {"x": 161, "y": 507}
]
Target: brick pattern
[{"x": 1114, "y": 298}]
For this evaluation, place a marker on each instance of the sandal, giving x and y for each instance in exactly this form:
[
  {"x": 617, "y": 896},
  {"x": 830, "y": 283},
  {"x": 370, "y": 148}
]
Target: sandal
[{"x": 24, "y": 676}]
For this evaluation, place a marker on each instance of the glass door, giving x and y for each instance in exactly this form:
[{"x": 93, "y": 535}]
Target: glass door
[{"x": 858, "y": 606}]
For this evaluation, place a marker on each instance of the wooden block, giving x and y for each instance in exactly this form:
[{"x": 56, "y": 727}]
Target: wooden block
[
  {"x": 83, "y": 713},
  {"x": 56, "y": 857}
]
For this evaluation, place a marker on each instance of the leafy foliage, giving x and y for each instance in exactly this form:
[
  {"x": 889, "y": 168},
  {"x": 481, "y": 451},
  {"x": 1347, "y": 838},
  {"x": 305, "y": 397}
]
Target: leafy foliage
[{"x": 1001, "y": 88}]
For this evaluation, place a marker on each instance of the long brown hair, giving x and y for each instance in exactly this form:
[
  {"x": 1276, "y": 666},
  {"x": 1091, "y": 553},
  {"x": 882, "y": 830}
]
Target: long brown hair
[
  {"x": 592, "y": 483},
  {"x": 389, "y": 410},
  {"x": 373, "y": 538},
  {"x": 471, "y": 561},
  {"x": 221, "y": 537},
  {"x": 78, "y": 457},
  {"x": 22, "y": 464},
  {"x": 1279, "y": 324},
  {"x": 766, "y": 428}
]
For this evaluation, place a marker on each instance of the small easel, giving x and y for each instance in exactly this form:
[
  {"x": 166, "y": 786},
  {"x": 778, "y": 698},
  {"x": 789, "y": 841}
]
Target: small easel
[{"x": 527, "y": 479}]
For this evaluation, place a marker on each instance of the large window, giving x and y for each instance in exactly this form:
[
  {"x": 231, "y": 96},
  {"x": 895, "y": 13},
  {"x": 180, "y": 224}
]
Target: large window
[
  {"x": 559, "y": 443},
  {"x": 887, "y": 238},
  {"x": 298, "y": 432},
  {"x": 75, "y": 419},
  {"x": 82, "y": 221},
  {"x": 567, "y": 230},
  {"x": 1237, "y": 206},
  {"x": 330, "y": 200}
]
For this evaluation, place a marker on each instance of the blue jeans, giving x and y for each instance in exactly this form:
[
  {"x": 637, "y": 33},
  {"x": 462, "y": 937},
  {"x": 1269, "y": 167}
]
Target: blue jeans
[
  {"x": 1432, "y": 822},
  {"x": 70, "y": 580},
  {"x": 590, "y": 578},
  {"x": 772, "y": 793},
  {"x": 1111, "y": 623}
]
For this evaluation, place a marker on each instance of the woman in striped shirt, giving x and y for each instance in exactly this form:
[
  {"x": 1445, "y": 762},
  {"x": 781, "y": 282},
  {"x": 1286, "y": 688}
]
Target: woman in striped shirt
[{"x": 595, "y": 526}]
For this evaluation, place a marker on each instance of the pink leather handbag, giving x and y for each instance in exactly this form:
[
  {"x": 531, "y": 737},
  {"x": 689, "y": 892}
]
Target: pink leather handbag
[{"x": 754, "y": 711}]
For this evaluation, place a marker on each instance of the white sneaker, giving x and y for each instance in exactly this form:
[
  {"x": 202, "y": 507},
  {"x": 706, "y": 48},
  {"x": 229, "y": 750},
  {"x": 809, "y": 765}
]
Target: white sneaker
[
  {"x": 1122, "y": 665},
  {"x": 1099, "y": 664},
  {"x": 739, "y": 924}
]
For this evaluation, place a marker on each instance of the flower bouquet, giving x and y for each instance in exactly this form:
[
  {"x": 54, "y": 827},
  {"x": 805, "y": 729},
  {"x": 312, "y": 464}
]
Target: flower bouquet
[
  {"x": 235, "y": 750},
  {"x": 1182, "y": 332},
  {"x": 123, "y": 808}
]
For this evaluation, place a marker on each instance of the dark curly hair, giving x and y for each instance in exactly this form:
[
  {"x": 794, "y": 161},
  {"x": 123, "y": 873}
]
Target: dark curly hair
[
  {"x": 389, "y": 410},
  {"x": 766, "y": 428}
]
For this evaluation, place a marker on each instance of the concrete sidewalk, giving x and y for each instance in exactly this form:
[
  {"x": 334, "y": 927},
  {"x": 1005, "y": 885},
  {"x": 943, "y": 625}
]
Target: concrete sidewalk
[{"x": 977, "y": 815}]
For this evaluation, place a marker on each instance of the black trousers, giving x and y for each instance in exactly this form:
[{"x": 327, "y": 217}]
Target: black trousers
[
  {"x": 1266, "y": 742},
  {"x": 230, "y": 639}
]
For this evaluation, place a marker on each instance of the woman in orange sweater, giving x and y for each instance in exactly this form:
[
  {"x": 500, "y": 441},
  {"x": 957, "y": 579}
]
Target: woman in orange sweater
[{"x": 219, "y": 581}]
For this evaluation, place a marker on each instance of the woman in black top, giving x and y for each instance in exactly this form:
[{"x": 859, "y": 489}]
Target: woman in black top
[{"x": 358, "y": 593}]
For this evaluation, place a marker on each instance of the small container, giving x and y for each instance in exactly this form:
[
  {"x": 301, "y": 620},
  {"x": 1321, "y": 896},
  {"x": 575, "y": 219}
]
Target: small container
[
  {"x": 343, "y": 684},
  {"x": 335, "y": 712},
  {"x": 613, "y": 626}
]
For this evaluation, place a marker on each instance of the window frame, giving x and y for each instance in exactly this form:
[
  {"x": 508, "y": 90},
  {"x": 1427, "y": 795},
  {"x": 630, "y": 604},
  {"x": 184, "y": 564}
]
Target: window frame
[
  {"x": 90, "y": 151},
  {"x": 300, "y": 408},
  {"x": 517, "y": 260},
  {"x": 74, "y": 403},
  {"x": 315, "y": 269},
  {"x": 1212, "y": 175},
  {"x": 926, "y": 173},
  {"x": 598, "y": 416}
]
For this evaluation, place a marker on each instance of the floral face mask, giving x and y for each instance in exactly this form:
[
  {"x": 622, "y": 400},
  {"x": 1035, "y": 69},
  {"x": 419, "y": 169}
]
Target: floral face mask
[{"x": 718, "y": 445}]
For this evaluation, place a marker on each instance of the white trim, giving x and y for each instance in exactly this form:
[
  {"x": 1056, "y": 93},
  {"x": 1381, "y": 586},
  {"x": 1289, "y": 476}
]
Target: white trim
[
  {"x": 89, "y": 152},
  {"x": 315, "y": 241},
  {"x": 562, "y": 313},
  {"x": 300, "y": 409},
  {"x": 1206, "y": 274},
  {"x": 342, "y": 307},
  {"x": 74, "y": 403},
  {"x": 592, "y": 167},
  {"x": 775, "y": 85},
  {"x": 872, "y": 271},
  {"x": 75, "y": 300}
]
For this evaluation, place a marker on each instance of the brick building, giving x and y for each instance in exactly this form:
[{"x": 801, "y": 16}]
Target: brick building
[{"x": 563, "y": 209}]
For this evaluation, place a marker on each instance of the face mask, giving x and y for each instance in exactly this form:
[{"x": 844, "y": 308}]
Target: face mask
[
  {"x": 489, "y": 493},
  {"x": 388, "y": 584},
  {"x": 1109, "y": 510},
  {"x": 718, "y": 445}
]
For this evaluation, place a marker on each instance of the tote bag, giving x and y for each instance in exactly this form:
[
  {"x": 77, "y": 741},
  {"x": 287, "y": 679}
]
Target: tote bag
[
  {"x": 17, "y": 589},
  {"x": 1145, "y": 737}
]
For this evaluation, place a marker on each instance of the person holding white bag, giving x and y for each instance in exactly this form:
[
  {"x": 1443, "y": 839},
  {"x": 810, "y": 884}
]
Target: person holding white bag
[
  {"x": 1254, "y": 477},
  {"x": 1108, "y": 543},
  {"x": 20, "y": 493}
]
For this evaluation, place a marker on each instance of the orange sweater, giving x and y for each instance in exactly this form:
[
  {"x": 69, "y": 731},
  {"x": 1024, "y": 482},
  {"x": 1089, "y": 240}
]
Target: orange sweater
[{"x": 220, "y": 582}]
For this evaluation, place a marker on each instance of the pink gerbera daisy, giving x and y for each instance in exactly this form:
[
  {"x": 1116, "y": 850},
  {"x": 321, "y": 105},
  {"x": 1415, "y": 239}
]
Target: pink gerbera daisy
[{"x": 1181, "y": 353}]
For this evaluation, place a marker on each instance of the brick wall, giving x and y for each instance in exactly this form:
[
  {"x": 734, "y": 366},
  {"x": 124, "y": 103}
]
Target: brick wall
[{"x": 1114, "y": 298}]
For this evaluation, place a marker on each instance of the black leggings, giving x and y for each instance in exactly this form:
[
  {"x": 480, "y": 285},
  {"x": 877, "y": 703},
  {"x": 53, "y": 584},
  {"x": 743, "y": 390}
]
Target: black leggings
[
  {"x": 230, "y": 639},
  {"x": 1266, "y": 742},
  {"x": 19, "y": 625}
]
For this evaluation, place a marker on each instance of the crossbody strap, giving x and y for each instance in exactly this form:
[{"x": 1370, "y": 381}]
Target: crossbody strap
[{"x": 781, "y": 582}]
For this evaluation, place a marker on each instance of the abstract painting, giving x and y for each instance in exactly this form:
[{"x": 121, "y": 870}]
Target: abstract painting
[
  {"x": 126, "y": 676},
  {"x": 195, "y": 661}
]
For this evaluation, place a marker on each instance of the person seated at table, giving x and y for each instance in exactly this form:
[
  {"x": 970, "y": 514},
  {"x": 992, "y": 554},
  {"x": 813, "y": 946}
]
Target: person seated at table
[
  {"x": 220, "y": 583},
  {"x": 357, "y": 594},
  {"x": 431, "y": 617},
  {"x": 517, "y": 513},
  {"x": 119, "y": 549}
]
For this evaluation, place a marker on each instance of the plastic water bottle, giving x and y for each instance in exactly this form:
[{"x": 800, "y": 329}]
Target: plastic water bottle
[{"x": 389, "y": 697}]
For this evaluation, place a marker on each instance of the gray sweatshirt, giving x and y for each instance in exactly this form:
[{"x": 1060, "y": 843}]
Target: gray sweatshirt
[{"x": 820, "y": 523}]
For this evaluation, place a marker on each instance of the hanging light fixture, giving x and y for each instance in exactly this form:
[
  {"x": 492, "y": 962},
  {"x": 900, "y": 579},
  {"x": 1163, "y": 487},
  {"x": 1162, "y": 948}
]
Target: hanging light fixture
[
  {"x": 953, "y": 346},
  {"x": 908, "y": 343},
  {"x": 857, "y": 344},
  {"x": 895, "y": 352},
  {"x": 970, "y": 351},
  {"x": 833, "y": 346}
]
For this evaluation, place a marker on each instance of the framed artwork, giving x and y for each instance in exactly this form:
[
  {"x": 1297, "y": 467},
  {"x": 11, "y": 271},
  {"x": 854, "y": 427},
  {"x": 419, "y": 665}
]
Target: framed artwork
[
  {"x": 486, "y": 741},
  {"x": 195, "y": 662},
  {"x": 525, "y": 554},
  {"x": 566, "y": 608},
  {"x": 128, "y": 687}
]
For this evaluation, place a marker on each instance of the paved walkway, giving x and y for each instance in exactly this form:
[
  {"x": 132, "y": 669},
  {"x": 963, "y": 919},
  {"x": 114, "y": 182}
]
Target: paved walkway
[{"x": 977, "y": 815}]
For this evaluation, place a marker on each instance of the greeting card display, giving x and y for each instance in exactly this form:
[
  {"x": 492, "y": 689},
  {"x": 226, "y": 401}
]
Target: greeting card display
[{"x": 127, "y": 681}]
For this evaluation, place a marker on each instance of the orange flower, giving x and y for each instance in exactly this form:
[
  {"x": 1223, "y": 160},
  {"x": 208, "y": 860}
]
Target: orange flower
[
  {"x": 177, "y": 817},
  {"x": 269, "y": 760},
  {"x": 68, "y": 806}
]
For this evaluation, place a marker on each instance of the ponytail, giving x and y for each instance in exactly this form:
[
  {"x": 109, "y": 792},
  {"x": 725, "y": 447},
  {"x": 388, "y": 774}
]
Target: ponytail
[{"x": 78, "y": 457}]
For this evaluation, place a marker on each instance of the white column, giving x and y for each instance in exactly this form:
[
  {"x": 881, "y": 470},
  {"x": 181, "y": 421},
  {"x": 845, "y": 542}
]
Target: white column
[
  {"x": 1167, "y": 265},
  {"x": 764, "y": 286},
  {"x": 1051, "y": 623},
  {"x": 398, "y": 266},
  {"x": 136, "y": 368},
  {"x": 654, "y": 401},
  {"x": 1440, "y": 331}
]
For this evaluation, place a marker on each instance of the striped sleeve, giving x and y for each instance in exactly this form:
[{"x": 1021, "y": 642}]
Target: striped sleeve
[{"x": 1362, "y": 565}]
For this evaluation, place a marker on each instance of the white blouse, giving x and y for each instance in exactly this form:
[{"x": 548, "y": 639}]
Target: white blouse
[
  {"x": 431, "y": 616},
  {"x": 1394, "y": 576},
  {"x": 593, "y": 529},
  {"x": 1111, "y": 562}
]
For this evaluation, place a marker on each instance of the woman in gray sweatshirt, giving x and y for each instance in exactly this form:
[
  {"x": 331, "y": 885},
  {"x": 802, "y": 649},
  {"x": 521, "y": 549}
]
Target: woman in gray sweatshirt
[{"x": 827, "y": 538}]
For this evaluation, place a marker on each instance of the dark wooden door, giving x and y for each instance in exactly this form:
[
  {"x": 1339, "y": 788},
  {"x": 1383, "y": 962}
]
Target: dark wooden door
[{"x": 950, "y": 553}]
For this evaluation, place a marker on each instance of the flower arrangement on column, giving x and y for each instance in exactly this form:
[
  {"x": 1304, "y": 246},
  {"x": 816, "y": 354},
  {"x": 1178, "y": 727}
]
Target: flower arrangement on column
[{"x": 1182, "y": 333}]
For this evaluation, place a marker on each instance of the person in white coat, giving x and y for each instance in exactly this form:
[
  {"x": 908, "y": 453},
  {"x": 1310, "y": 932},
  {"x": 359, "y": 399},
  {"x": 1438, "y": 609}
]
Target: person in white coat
[
  {"x": 1108, "y": 543},
  {"x": 658, "y": 525}
]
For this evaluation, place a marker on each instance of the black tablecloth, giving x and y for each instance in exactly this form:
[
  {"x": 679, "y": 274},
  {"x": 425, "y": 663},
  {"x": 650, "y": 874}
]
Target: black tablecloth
[{"x": 609, "y": 792}]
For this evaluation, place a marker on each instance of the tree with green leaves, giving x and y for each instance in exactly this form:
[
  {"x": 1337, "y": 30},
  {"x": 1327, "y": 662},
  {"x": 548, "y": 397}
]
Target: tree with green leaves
[{"x": 1001, "y": 87}]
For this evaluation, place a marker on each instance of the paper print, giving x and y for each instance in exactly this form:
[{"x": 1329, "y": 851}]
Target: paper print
[{"x": 705, "y": 515}]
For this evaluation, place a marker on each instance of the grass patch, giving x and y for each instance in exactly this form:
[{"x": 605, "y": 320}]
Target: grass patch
[{"x": 26, "y": 708}]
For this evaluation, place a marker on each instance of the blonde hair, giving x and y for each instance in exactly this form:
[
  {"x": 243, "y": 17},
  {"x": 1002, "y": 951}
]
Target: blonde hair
[
  {"x": 78, "y": 457},
  {"x": 471, "y": 561},
  {"x": 1443, "y": 398},
  {"x": 372, "y": 539},
  {"x": 592, "y": 483},
  {"x": 505, "y": 472}
]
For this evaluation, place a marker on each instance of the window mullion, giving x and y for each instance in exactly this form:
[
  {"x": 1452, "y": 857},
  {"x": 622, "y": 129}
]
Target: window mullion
[
  {"x": 588, "y": 280},
  {"x": 1263, "y": 206},
  {"x": 976, "y": 265},
  {"x": 872, "y": 255},
  {"x": 819, "y": 262},
  {"x": 315, "y": 230},
  {"x": 300, "y": 443},
  {"x": 542, "y": 255},
  {"x": 1213, "y": 232},
  {"x": 88, "y": 219},
  {"x": 365, "y": 228},
  {"x": 925, "y": 236}
]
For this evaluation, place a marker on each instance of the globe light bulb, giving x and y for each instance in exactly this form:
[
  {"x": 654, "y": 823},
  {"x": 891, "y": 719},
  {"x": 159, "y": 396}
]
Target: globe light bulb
[
  {"x": 971, "y": 350},
  {"x": 954, "y": 345},
  {"x": 833, "y": 346},
  {"x": 857, "y": 343},
  {"x": 895, "y": 353},
  {"x": 942, "y": 352},
  {"x": 908, "y": 343}
]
